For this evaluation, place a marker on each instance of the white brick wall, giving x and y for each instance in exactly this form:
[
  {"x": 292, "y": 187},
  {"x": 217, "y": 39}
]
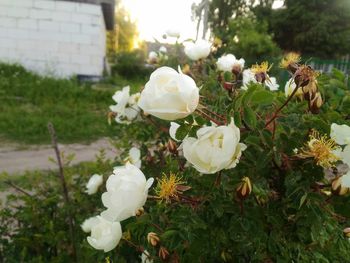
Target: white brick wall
[{"x": 53, "y": 37}]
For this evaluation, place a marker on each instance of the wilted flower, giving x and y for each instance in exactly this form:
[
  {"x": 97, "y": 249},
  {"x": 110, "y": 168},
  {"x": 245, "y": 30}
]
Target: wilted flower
[
  {"x": 89, "y": 223},
  {"x": 229, "y": 62},
  {"x": 153, "y": 238},
  {"x": 214, "y": 149},
  {"x": 171, "y": 146},
  {"x": 127, "y": 191},
  {"x": 105, "y": 235},
  {"x": 93, "y": 184},
  {"x": 244, "y": 188},
  {"x": 134, "y": 157},
  {"x": 321, "y": 148},
  {"x": 169, "y": 95},
  {"x": 198, "y": 50},
  {"x": 346, "y": 232},
  {"x": 126, "y": 109},
  {"x": 256, "y": 76},
  {"x": 291, "y": 62}
]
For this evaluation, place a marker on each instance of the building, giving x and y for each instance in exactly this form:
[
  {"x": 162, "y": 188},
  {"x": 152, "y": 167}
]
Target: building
[{"x": 56, "y": 37}]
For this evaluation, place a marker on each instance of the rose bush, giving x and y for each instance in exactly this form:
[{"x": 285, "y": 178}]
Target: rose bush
[{"x": 251, "y": 171}]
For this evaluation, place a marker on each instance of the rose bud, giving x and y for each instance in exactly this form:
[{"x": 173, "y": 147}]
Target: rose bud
[
  {"x": 346, "y": 232},
  {"x": 337, "y": 188},
  {"x": 172, "y": 147},
  {"x": 244, "y": 189},
  {"x": 228, "y": 86},
  {"x": 153, "y": 238},
  {"x": 163, "y": 253}
]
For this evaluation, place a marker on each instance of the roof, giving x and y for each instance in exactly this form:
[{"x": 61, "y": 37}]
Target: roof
[{"x": 107, "y": 9}]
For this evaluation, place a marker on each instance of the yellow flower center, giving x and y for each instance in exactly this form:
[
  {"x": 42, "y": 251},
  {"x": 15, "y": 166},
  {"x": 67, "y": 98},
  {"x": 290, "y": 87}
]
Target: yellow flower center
[
  {"x": 321, "y": 149},
  {"x": 290, "y": 58},
  {"x": 262, "y": 68},
  {"x": 167, "y": 187}
]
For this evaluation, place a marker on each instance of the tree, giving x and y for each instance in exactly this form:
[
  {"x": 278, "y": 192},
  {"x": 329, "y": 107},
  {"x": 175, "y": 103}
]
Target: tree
[{"x": 317, "y": 28}]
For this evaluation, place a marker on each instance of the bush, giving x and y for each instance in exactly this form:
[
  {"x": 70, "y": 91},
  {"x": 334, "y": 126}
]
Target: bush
[{"x": 130, "y": 64}]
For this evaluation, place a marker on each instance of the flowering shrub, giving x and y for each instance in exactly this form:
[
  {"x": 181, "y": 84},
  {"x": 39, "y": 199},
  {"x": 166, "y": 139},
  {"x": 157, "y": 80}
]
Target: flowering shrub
[{"x": 247, "y": 171}]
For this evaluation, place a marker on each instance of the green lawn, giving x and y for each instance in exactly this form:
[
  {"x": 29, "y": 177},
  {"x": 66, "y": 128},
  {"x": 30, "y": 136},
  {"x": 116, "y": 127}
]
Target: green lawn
[{"x": 78, "y": 111}]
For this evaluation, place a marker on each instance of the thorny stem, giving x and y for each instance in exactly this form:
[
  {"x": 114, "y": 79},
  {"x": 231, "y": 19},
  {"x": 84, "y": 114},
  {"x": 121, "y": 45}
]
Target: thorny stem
[
  {"x": 64, "y": 186},
  {"x": 203, "y": 114},
  {"x": 275, "y": 115}
]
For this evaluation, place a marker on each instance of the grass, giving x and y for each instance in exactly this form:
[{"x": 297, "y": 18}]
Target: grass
[{"x": 78, "y": 111}]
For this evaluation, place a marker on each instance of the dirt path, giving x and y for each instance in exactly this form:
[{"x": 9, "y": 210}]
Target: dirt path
[{"x": 14, "y": 160}]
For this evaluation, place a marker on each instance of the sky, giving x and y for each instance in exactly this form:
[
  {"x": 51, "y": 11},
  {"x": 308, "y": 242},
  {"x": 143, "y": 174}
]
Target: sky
[{"x": 155, "y": 17}]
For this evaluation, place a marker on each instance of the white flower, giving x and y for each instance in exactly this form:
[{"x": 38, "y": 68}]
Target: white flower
[
  {"x": 152, "y": 56},
  {"x": 134, "y": 157},
  {"x": 127, "y": 191},
  {"x": 248, "y": 77},
  {"x": 89, "y": 223},
  {"x": 172, "y": 130},
  {"x": 172, "y": 32},
  {"x": 145, "y": 257},
  {"x": 163, "y": 49},
  {"x": 340, "y": 133},
  {"x": 126, "y": 108},
  {"x": 199, "y": 49},
  {"x": 290, "y": 86},
  {"x": 169, "y": 95},
  {"x": 216, "y": 148},
  {"x": 227, "y": 62},
  {"x": 272, "y": 84},
  {"x": 105, "y": 235},
  {"x": 93, "y": 184}
]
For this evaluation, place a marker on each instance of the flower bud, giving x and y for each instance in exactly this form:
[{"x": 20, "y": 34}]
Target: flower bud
[
  {"x": 153, "y": 238},
  {"x": 346, "y": 232},
  {"x": 228, "y": 86},
  {"x": 244, "y": 189},
  {"x": 140, "y": 212},
  {"x": 163, "y": 253},
  {"x": 337, "y": 188},
  {"x": 172, "y": 147}
]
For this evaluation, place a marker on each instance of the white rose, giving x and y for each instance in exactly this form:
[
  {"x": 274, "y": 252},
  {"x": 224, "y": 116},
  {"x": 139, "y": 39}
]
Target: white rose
[
  {"x": 227, "y": 62},
  {"x": 169, "y": 95},
  {"x": 93, "y": 184},
  {"x": 341, "y": 135},
  {"x": 163, "y": 49},
  {"x": 127, "y": 191},
  {"x": 272, "y": 84},
  {"x": 248, "y": 77},
  {"x": 199, "y": 49},
  {"x": 172, "y": 130},
  {"x": 134, "y": 157},
  {"x": 89, "y": 223},
  {"x": 105, "y": 235},
  {"x": 172, "y": 32},
  {"x": 126, "y": 108},
  {"x": 214, "y": 149}
]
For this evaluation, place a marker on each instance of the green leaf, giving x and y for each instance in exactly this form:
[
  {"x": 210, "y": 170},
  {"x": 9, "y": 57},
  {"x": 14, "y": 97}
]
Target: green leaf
[
  {"x": 237, "y": 119},
  {"x": 262, "y": 97},
  {"x": 182, "y": 131},
  {"x": 302, "y": 200},
  {"x": 249, "y": 117},
  {"x": 227, "y": 76}
]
